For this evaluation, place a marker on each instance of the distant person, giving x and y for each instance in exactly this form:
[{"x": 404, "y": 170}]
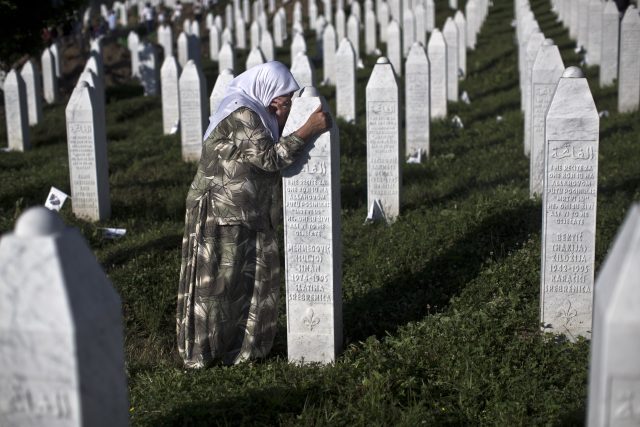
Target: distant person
[
  {"x": 147, "y": 16},
  {"x": 197, "y": 10},
  {"x": 177, "y": 12},
  {"x": 229, "y": 277},
  {"x": 112, "y": 20},
  {"x": 161, "y": 15}
]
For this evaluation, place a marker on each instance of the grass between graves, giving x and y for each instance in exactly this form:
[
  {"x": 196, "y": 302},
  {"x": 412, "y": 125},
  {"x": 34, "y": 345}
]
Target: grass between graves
[{"x": 440, "y": 309}]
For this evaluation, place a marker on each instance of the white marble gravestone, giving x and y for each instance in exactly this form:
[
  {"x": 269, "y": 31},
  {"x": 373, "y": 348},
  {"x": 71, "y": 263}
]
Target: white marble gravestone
[
  {"x": 278, "y": 37},
  {"x": 87, "y": 148},
  {"x": 353, "y": 34},
  {"x": 382, "y": 14},
  {"x": 219, "y": 89},
  {"x": 546, "y": 72},
  {"x": 421, "y": 24},
  {"x": 132, "y": 43},
  {"x": 394, "y": 46},
  {"x": 614, "y": 373},
  {"x": 340, "y": 24},
  {"x": 408, "y": 32},
  {"x": 610, "y": 39},
  {"x": 92, "y": 79},
  {"x": 629, "y": 71},
  {"x": 461, "y": 24},
  {"x": 254, "y": 58},
  {"x": 329, "y": 55},
  {"x": 33, "y": 86},
  {"x": 169, "y": 75},
  {"x": 298, "y": 45},
  {"x": 437, "y": 53},
  {"x": 61, "y": 333},
  {"x": 57, "y": 58},
  {"x": 430, "y": 15},
  {"x": 214, "y": 43},
  {"x": 395, "y": 10},
  {"x": 17, "y": 116},
  {"x": 383, "y": 141},
  {"x": 417, "y": 114},
  {"x": 228, "y": 16},
  {"x": 311, "y": 199},
  {"x": 533, "y": 46},
  {"x": 195, "y": 29},
  {"x": 226, "y": 57},
  {"x": 183, "y": 49},
  {"x": 266, "y": 45},
  {"x": 303, "y": 71},
  {"x": 193, "y": 117},
  {"x": 49, "y": 79},
  {"x": 594, "y": 42},
  {"x": 226, "y": 36},
  {"x": 346, "y": 81},
  {"x": 569, "y": 208},
  {"x": 165, "y": 39},
  {"x": 255, "y": 34},
  {"x": 370, "y": 42},
  {"x": 471, "y": 12},
  {"x": 241, "y": 34},
  {"x": 450, "y": 33}
]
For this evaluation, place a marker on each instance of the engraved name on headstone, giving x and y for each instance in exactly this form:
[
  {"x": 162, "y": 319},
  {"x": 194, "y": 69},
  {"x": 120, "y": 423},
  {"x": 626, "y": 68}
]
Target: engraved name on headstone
[
  {"x": 569, "y": 208},
  {"x": 192, "y": 111},
  {"x": 311, "y": 199},
  {"x": 383, "y": 140},
  {"x": 87, "y": 148}
]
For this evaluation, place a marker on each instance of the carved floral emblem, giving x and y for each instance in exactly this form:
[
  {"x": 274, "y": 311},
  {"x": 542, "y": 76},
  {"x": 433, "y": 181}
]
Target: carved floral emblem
[
  {"x": 567, "y": 313},
  {"x": 310, "y": 320}
]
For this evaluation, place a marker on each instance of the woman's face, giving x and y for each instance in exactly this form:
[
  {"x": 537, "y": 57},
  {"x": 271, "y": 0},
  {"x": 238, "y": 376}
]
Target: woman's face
[{"x": 281, "y": 106}]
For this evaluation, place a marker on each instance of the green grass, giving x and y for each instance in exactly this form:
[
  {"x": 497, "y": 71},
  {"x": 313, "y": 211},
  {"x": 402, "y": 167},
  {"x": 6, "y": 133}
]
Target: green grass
[{"x": 440, "y": 309}]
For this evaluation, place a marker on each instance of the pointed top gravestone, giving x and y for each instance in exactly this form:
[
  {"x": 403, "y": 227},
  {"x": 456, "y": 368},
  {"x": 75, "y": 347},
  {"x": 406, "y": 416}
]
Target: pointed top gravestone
[
  {"x": 183, "y": 49},
  {"x": 569, "y": 208},
  {"x": 346, "y": 81},
  {"x": 461, "y": 24},
  {"x": 226, "y": 57},
  {"x": 408, "y": 31},
  {"x": 57, "y": 59},
  {"x": 214, "y": 43},
  {"x": 394, "y": 47},
  {"x": 610, "y": 39},
  {"x": 614, "y": 374},
  {"x": 383, "y": 140},
  {"x": 87, "y": 148},
  {"x": 303, "y": 71},
  {"x": 311, "y": 199},
  {"x": 545, "y": 74},
  {"x": 241, "y": 34},
  {"x": 255, "y": 58},
  {"x": 33, "y": 85},
  {"x": 219, "y": 89},
  {"x": 417, "y": 112},
  {"x": 437, "y": 53},
  {"x": 165, "y": 39},
  {"x": 430, "y": 15},
  {"x": 450, "y": 33},
  {"x": 298, "y": 45},
  {"x": 169, "y": 75},
  {"x": 629, "y": 71},
  {"x": 329, "y": 55},
  {"x": 17, "y": 116},
  {"x": 61, "y": 334},
  {"x": 594, "y": 42},
  {"x": 254, "y": 32},
  {"x": 340, "y": 24},
  {"x": 49, "y": 79},
  {"x": 132, "y": 44},
  {"x": 532, "y": 47},
  {"x": 266, "y": 45},
  {"x": 353, "y": 34},
  {"x": 192, "y": 111}
]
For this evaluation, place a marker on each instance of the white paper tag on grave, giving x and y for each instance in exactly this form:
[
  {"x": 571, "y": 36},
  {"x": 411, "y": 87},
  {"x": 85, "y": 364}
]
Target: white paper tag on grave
[
  {"x": 375, "y": 212},
  {"x": 55, "y": 199},
  {"x": 415, "y": 157},
  {"x": 465, "y": 97},
  {"x": 113, "y": 233},
  {"x": 603, "y": 113},
  {"x": 457, "y": 122}
]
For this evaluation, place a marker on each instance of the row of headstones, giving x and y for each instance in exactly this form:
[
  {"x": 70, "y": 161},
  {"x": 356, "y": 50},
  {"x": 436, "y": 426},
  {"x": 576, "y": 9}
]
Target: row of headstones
[
  {"x": 23, "y": 95},
  {"x": 564, "y": 125},
  {"x": 611, "y": 41}
]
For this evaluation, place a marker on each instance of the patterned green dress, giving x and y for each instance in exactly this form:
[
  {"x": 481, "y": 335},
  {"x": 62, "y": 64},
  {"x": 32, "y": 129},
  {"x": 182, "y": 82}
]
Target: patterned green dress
[{"x": 229, "y": 278}]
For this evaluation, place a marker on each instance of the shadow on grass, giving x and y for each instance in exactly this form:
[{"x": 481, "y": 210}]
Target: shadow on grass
[
  {"x": 264, "y": 406},
  {"x": 163, "y": 243},
  {"x": 412, "y": 295}
]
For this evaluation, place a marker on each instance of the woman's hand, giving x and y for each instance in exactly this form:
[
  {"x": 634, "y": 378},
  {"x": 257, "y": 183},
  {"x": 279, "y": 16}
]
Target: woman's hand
[{"x": 317, "y": 123}]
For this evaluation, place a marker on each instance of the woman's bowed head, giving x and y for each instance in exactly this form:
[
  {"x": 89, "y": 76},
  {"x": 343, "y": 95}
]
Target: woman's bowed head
[{"x": 268, "y": 90}]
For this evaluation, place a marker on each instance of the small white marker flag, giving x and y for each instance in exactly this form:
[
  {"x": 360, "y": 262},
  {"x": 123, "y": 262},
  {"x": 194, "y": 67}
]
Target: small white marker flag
[{"x": 55, "y": 199}]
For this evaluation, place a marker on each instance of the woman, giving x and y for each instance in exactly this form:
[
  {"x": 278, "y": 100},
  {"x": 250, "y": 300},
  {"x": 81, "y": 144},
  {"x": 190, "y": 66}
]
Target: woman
[{"x": 229, "y": 278}]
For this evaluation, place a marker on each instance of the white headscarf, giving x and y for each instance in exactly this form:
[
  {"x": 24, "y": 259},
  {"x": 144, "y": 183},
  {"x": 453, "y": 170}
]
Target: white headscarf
[{"x": 255, "y": 89}]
